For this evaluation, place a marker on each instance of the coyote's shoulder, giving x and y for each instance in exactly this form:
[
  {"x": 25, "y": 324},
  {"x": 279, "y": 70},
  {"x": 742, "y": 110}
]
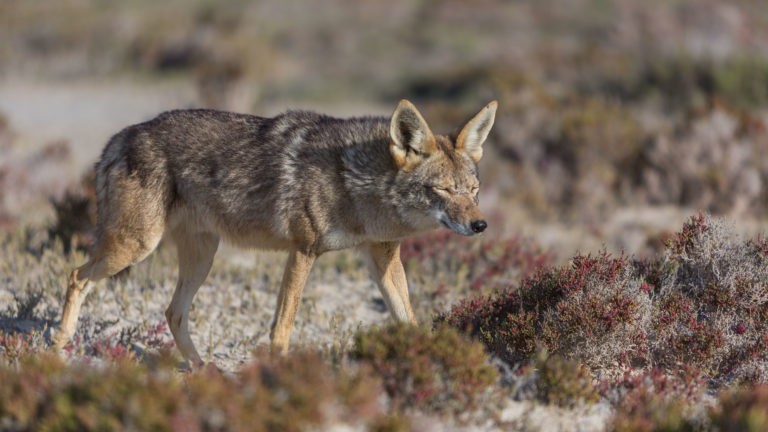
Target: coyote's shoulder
[{"x": 300, "y": 181}]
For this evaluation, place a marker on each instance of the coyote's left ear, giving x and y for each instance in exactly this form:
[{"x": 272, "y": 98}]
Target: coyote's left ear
[
  {"x": 412, "y": 140},
  {"x": 474, "y": 133}
]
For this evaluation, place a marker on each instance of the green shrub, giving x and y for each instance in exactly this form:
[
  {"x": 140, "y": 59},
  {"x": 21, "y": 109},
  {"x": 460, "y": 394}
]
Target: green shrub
[
  {"x": 563, "y": 382},
  {"x": 432, "y": 371},
  {"x": 744, "y": 409},
  {"x": 290, "y": 393}
]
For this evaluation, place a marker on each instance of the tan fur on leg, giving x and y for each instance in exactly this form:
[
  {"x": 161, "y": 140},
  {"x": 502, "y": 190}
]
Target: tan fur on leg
[
  {"x": 295, "y": 277},
  {"x": 196, "y": 253},
  {"x": 387, "y": 270},
  {"x": 76, "y": 292}
]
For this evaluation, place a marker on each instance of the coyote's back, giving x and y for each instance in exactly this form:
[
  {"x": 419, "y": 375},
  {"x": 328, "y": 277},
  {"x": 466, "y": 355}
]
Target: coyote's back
[{"x": 300, "y": 181}]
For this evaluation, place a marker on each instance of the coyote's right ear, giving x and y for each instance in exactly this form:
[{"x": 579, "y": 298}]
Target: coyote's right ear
[
  {"x": 475, "y": 132},
  {"x": 411, "y": 137}
]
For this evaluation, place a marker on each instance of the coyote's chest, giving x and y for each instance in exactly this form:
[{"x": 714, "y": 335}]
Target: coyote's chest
[{"x": 336, "y": 239}]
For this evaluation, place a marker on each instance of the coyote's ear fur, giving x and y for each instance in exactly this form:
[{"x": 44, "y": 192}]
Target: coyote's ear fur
[
  {"x": 411, "y": 137},
  {"x": 474, "y": 133}
]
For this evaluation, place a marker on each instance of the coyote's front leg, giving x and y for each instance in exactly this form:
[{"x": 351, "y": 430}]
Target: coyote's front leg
[
  {"x": 294, "y": 278},
  {"x": 387, "y": 270}
]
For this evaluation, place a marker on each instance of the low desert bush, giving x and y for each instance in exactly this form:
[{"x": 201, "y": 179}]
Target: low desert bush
[
  {"x": 571, "y": 154},
  {"x": 703, "y": 304},
  {"x": 707, "y": 162},
  {"x": 592, "y": 309},
  {"x": 655, "y": 401},
  {"x": 439, "y": 371},
  {"x": 563, "y": 382},
  {"x": 743, "y": 409},
  {"x": 580, "y": 154},
  {"x": 685, "y": 81},
  {"x": 273, "y": 393},
  {"x": 75, "y": 215},
  {"x": 711, "y": 306},
  {"x": 597, "y": 144},
  {"x": 451, "y": 261}
]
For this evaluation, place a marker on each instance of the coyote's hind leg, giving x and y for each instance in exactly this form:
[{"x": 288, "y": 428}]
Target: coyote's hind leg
[
  {"x": 77, "y": 289},
  {"x": 196, "y": 253},
  {"x": 111, "y": 256}
]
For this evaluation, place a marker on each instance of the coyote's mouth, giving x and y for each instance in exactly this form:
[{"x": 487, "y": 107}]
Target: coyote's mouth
[{"x": 455, "y": 227}]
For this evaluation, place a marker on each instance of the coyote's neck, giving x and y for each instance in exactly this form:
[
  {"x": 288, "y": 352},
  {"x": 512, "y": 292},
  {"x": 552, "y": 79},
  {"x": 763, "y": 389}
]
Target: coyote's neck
[{"x": 379, "y": 192}]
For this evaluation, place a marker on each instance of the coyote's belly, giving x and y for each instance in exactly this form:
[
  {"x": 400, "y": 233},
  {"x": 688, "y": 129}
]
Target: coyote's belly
[{"x": 248, "y": 226}]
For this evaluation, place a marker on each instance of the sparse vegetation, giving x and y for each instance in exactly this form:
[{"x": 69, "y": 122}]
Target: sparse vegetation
[
  {"x": 651, "y": 338},
  {"x": 432, "y": 372},
  {"x": 608, "y": 110},
  {"x": 268, "y": 394},
  {"x": 702, "y": 305},
  {"x": 743, "y": 409},
  {"x": 695, "y": 318},
  {"x": 562, "y": 382},
  {"x": 449, "y": 267}
]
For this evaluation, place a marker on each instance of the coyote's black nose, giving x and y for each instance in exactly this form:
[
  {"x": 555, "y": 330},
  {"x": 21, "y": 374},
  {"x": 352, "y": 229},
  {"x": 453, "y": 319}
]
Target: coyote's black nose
[{"x": 479, "y": 226}]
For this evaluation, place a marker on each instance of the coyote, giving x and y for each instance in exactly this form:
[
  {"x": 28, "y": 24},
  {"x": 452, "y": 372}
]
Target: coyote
[{"x": 301, "y": 182}]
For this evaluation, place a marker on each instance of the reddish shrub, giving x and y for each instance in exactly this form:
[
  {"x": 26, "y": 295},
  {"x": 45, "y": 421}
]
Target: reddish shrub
[
  {"x": 578, "y": 310},
  {"x": 653, "y": 400},
  {"x": 482, "y": 266},
  {"x": 712, "y": 305},
  {"x": 685, "y": 240},
  {"x": 703, "y": 304}
]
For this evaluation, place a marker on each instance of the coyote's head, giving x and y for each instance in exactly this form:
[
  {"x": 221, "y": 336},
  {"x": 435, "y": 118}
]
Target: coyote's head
[{"x": 437, "y": 179}]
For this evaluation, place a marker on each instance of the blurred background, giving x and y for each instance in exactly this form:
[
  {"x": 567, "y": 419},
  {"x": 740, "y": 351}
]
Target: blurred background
[{"x": 618, "y": 118}]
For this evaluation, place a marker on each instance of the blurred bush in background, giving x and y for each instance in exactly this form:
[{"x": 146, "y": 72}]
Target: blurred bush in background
[{"x": 603, "y": 104}]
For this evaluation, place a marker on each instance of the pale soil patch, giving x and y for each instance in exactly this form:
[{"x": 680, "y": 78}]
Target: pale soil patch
[{"x": 85, "y": 113}]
